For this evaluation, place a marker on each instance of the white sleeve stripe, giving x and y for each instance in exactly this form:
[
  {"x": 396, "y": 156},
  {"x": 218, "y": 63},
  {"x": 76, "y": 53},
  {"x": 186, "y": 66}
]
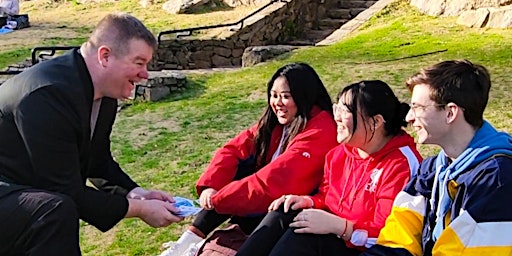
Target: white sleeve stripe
[
  {"x": 473, "y": 234},
  {"x": 414, "y": 164},
  {"x": 414, "y": 203}
]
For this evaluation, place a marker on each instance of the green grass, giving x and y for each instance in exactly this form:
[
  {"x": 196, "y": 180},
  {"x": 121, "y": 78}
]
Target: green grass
[
  {"x": 8, "y": 57},
  {"x": 166, "y": 145}
]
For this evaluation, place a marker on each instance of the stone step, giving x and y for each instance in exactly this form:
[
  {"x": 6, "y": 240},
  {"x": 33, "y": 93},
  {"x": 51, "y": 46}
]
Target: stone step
[
  {"x": 339, "y": 14},
  {"x": 317, "y": 34},
  {"x": 355, "y": 11},
  {"x": 347, "y": 4},
  {"x": 331, "y": 23},
  {"x": 311, "y": 37},
  {"x": 302, "y": 42}
]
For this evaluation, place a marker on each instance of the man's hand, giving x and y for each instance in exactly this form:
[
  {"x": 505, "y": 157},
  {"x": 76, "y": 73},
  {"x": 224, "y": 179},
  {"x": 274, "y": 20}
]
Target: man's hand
[
  {"x": 155, "y": 212},
  {"x": 296, "y": 202},
  {"x": 315, "y": 221},
  {"x": 205, "y": 199},
  {"x": 142, "y": 194}
]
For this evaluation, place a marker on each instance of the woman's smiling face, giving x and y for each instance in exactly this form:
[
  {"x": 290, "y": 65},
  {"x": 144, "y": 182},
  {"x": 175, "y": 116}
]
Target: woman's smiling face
[
  {"x": 281, "y": 101},
  {"x": 344, "y": 119}
]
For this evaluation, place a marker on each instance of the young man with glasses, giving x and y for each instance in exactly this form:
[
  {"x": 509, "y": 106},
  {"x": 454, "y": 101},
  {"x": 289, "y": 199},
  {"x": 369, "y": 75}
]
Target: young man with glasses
[{"x": 459, "y": 203}]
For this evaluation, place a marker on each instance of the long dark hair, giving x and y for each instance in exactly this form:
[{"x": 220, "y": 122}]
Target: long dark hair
[
  {"x": 307, "y": 90},
  {"x": 372, "y": 98}
]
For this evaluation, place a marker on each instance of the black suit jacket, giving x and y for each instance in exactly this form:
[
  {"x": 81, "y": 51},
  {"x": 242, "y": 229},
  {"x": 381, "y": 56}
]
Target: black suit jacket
[{"x": 45, "y": 139}]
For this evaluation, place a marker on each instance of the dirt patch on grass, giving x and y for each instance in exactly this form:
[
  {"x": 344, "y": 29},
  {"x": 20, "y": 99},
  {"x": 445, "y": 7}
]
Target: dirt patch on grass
[
  {"x": 257, "y": 96},
  {"x": 141, "y": 128},
  {"x": 34, "y": 35},
  {"x": 144, "y": 133},
  {"x": 153, "y": 120}
]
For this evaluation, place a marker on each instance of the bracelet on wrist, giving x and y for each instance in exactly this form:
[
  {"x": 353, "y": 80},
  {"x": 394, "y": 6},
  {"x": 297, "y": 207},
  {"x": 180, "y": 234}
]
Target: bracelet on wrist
[{"x": 344, "y": 233}]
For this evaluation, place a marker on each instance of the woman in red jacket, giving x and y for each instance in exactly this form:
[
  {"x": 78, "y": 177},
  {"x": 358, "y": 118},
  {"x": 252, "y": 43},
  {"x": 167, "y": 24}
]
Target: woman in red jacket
[
  {"x": 362, "y": 176},
  {"x": 282, "y": 154}
]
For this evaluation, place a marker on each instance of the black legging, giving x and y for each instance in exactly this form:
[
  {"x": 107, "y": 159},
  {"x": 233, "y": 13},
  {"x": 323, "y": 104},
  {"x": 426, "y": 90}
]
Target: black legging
[
  {"x": 274, "y": 237},
  {"x": 267, "y": 234},
  {"x": 208, "y": 220}
]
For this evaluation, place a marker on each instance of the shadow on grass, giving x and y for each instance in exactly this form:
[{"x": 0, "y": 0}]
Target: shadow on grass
[{"x": 193, "y": 89}]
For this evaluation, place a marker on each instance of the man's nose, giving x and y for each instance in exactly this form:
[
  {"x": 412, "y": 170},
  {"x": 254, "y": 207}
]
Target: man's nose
[{"x": 144, "y": 74}]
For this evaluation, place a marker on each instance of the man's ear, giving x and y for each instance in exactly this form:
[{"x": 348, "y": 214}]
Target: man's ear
[
  {"x": 453, "y": 112},
  {"x": 104, "y": 54}
]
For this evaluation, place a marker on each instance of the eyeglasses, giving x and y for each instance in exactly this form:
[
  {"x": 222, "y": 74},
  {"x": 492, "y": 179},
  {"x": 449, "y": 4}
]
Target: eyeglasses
[
  {"x": 340, "y": 110},
  {"x": 415, "y": 107}
]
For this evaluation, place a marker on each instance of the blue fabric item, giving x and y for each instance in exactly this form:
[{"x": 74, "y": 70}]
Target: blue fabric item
[
  {"x": 5, "y": 31},
  {"x": 186, "y": 207},
  {"x": 486, "y": 143}
]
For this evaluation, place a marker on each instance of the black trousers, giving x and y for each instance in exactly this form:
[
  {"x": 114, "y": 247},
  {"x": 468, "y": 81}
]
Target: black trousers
[
  {"x": 274, "y": 237},
  {"x": 37, "y": 222}
]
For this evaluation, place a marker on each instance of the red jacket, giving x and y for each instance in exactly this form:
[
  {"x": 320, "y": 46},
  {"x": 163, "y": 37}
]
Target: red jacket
[
  {"x": 363, "y": 190},
  {"x": 298, "y": 170}
]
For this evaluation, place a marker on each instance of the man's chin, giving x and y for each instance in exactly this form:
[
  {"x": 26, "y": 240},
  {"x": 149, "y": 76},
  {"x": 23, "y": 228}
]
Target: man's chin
[{"x": 124, "y": 96}]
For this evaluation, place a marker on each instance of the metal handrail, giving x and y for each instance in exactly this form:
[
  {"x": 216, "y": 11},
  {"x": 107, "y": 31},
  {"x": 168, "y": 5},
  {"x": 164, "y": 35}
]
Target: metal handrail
[
  {"x": 188, "y": 31},
  {"x": 35, "y": 57},
  {"x": 52, "y": 49}
]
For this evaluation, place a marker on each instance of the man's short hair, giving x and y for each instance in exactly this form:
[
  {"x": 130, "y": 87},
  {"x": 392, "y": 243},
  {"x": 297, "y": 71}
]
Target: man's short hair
[
  {"x": 458, "y": 81},
  {"x": 117, "y": 29}
]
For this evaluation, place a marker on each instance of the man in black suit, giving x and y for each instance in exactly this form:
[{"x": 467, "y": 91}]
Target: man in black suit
[{"x": 55, "y": 123}]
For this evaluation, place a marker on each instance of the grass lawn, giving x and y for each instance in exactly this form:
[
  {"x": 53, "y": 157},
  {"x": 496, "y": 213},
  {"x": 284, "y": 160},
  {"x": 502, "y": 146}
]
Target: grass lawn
[{"x": 166, "y": 145}]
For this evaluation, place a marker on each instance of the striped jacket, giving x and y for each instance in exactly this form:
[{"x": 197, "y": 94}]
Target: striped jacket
[{"x": 479, "y": 221}]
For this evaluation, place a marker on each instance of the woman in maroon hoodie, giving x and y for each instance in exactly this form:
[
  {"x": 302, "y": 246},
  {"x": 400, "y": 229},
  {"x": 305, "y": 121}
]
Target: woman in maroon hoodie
[
  {"x": 362, "y": 176},
  {"x": 282, "y": 154}
]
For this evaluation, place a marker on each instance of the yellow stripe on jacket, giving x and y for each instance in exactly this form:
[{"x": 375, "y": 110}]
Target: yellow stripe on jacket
[{"x": 404, "y": 225}]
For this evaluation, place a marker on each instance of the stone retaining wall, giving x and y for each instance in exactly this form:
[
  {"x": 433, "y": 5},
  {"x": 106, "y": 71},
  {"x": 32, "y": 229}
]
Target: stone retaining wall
[
  {"x": 275, "y": 25},
  {"x": 159, "y": 85}
]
